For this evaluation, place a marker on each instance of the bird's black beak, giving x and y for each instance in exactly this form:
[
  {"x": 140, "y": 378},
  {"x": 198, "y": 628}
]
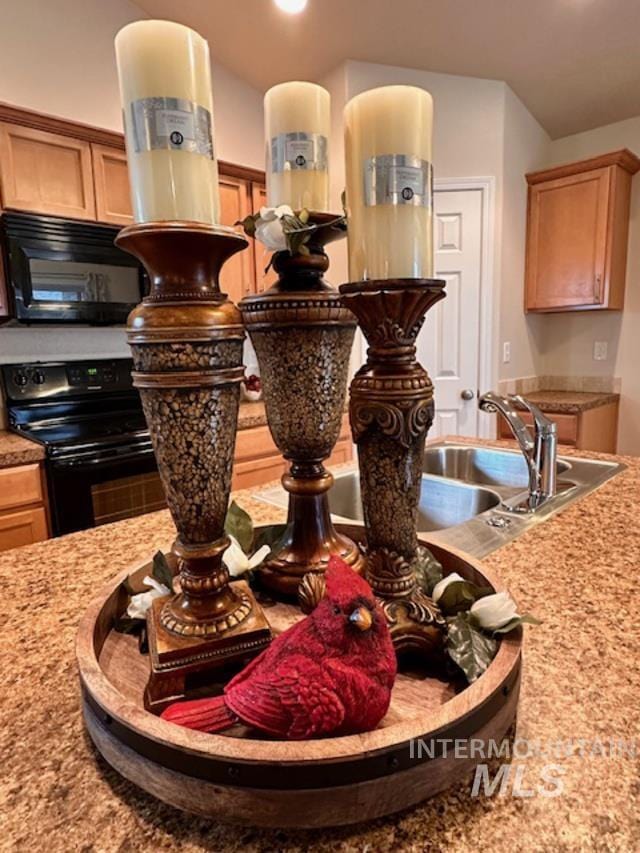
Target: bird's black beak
[{"x": 361, "y": 618}]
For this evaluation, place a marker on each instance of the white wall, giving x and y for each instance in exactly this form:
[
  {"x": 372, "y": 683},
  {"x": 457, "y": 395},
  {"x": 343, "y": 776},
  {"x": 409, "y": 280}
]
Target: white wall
[
  {"x": 525, "y": 149},
  {"x": 57, "y": 57},
  {"x": 569, "y": 338}
]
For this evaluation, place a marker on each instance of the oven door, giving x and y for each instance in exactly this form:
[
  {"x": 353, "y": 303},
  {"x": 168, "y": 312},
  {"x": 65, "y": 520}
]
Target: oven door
[
  {"x": 97, "y": 488},
  {"x": 62, "y": 271}
]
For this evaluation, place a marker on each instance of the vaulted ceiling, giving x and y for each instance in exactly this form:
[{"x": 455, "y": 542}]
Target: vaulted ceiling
[{"x": 574, "y": 63}]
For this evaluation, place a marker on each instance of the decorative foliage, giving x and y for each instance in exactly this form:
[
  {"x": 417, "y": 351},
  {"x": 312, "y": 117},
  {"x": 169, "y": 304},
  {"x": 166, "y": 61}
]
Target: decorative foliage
[
  {"x": 280, "y": 229},
  {"x": 475, "y": 615}
]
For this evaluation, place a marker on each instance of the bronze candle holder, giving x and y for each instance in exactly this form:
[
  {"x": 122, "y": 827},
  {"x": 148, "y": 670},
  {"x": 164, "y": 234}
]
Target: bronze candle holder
[
  {"x": 391, "y": 410},
  {"x": 186, "y": 339},
  {"x": 302, "y": 335}
]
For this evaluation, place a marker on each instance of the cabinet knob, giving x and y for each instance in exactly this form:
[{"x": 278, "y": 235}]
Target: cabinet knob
[{"x": 467, "y": 394}]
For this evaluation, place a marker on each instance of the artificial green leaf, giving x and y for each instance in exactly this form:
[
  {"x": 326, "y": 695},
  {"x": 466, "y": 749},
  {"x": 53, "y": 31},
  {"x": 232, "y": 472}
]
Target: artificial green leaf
[
  {"x": 526, "y": 618},
  {"x": 127, "y": 625},
  {"x": 161, "y": 570},
  {"x": 469, "y": 648},
  {"x": 239, "y": 525},
  {"x": 303, "y": 249},
  {"x": 428, "y": 569},
  {"x": 248, "y": 224},
  {"x": 458, "y": 596},
  {"x": 343, "y": 201},
  {"x": 270, "y": 535},
  {"x": 303, "y": 216}
]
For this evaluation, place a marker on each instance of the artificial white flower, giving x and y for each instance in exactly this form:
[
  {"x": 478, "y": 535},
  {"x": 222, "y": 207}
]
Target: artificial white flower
[
  {"x": 494, "y": 611},
  {"x": 141, "y": 602},
  {"x": 440, "y": 587},
  {"x": 270, "y": 228},
  {"x": 238, "y": 562}
]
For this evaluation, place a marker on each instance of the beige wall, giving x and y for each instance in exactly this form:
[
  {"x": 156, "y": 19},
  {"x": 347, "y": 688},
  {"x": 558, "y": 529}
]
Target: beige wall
[
  {"x": 57, "y": 57},
  {"x": 568, "y": 339}
]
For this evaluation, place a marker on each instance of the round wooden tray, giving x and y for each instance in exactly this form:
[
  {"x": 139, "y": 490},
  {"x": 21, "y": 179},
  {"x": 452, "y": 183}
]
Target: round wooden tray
[{"x": 325, "y": 782}]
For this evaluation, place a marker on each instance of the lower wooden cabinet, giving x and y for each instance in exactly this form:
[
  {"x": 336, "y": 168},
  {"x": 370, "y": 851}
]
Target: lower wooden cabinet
[
  {"x": 258, "y": 460},
  {"x": 595, "y": 429},
  {"x": 23, "y": 513}
]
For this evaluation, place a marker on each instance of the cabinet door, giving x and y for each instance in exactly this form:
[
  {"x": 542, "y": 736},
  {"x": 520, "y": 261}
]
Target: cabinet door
[
  {"x": 46, "y": 173},
  {"x": 238, "y": 276},
  {"x": 22, "y": 527},
  {"x": 262, "y": 256},
  {"x": 111, "y": 181},
  {"x": 567, "y": 241}
]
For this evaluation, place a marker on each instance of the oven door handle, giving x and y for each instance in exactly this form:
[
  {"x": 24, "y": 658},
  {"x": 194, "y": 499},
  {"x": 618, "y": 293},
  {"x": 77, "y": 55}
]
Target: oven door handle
[{"x": 101, "y": 460}]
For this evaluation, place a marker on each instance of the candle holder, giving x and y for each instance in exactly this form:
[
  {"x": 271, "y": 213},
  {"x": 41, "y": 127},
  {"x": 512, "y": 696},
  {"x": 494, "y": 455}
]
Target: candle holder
[
  {"x": 302, "y": 335},
  {"x": 391, "y": 410},
  {"x": 186, "y": 339}
]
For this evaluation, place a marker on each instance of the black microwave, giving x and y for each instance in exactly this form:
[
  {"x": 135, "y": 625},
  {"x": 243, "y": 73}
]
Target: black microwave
[{"x": 66, "y": 271}]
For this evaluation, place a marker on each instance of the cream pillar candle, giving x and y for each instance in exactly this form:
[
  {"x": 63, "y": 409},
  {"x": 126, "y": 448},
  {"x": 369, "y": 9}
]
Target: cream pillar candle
[
  {"x": 297, "y": 125},
  {"x": 389, "y": 183},
  {"x": 165, "y": 86}
]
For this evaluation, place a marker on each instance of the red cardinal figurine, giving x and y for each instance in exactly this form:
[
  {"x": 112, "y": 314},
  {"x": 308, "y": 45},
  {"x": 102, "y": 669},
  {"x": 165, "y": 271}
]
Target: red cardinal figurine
[{"x": 330, "y": 674}]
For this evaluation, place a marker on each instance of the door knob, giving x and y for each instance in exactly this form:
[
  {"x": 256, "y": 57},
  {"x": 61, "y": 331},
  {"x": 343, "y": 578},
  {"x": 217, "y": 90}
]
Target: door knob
[{"x": 467, "y": 394}]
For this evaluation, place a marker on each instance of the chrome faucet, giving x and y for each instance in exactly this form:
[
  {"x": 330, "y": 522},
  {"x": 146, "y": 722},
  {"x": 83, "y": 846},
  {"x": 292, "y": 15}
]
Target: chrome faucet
[{"x": 540, "y": 452}]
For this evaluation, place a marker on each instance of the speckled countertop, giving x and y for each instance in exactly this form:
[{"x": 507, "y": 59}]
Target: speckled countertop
[
  {"x": 570, "y": 402},
  {"x": 577, "y": 572},
  {"x": 17, "y": 450}
]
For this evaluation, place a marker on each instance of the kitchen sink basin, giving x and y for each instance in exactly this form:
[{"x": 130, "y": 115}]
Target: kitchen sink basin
[
  {"x": 443, "y": 503},
  {"x": 472, "y": 497},
  {"x": 482, "y": 465}
]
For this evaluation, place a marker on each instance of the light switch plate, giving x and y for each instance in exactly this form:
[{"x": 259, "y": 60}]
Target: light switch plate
[
  {"x": 600, "y": 350},
  {"x": 506, "y": 352}
]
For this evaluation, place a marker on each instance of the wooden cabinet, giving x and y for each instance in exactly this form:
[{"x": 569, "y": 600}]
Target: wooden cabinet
[
  {"x": 111, "y": 183},
  {"x": 237, "y": 278},
  {"x": 23, "y": 514},
  {"x": 595, "y": 429},
  {"x": 577, "y": 232},
  {"x": 262, "y": 256},
  {"x": 44, "y": 172}
]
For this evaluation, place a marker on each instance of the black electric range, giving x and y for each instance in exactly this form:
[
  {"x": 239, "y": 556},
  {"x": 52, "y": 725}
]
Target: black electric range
[{"x": 99, "y": 459}]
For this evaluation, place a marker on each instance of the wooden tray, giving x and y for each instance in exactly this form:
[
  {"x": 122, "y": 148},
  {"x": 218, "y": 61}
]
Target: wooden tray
[{"x": 248, "y": 779}]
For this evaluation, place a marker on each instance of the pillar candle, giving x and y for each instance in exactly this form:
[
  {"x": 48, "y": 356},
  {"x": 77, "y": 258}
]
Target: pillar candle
[
  {"x": 389, "y": 183},
  {"x": 165, "y": 87},
  {"x": 297, "y": 124}
]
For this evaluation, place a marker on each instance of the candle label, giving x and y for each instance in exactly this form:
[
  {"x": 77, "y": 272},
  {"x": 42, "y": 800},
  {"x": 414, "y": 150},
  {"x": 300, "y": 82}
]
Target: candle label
[
  {"x": 292, "y": 151},
  {"x": 398, "y": 179},
  {"x": 171, "y": 123}
]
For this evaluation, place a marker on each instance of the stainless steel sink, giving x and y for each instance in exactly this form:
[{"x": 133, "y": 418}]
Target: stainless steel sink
[
  {"x": 443, "y": 503},
  {"x": 472, "y": 496},
  {"x": 482, "y": 465}
]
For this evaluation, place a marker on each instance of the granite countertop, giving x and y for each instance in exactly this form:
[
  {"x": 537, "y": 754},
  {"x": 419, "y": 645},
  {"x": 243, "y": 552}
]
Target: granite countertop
[
  {"x": 581, "y": 679},
  {"x": 16, "y": 450},
  {"x": 569, "y": 402}
]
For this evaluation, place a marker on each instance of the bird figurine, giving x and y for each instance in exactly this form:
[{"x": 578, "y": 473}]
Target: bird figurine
[{"x": 329, "y": 674}]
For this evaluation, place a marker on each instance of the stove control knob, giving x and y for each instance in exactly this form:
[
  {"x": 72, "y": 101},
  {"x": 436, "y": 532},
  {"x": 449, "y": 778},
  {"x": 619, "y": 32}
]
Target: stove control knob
[
  {"x": 38, "y": 378},
  {"x": 20, "y": 379}
]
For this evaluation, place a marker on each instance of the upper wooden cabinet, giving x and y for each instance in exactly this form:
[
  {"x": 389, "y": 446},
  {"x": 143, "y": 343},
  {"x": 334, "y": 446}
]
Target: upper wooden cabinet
[
  {"x": 262, "y": 256},
  {"x": 111, "y": 181},
  {"x": 237, "y": 279},
  {"x": 46, "y": 173},
  {"x": 577, "y": 232}
]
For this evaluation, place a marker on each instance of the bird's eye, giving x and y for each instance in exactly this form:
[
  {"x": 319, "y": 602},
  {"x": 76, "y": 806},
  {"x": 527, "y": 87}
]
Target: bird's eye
[{"x": 336, "y": 609}]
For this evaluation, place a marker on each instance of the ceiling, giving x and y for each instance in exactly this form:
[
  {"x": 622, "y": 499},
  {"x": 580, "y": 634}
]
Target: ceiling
[{"x": 574, "y": 63}]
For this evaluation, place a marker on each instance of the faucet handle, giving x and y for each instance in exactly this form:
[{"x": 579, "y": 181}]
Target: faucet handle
[{"x": 543, "y": 425}]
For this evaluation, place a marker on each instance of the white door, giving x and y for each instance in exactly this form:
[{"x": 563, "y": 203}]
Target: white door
[{"x": 449, "y": 343}]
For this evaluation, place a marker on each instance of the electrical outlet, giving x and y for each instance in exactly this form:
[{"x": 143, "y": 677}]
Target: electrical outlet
[
  {"x": 506, "y": 352},
  {"x": 600, "y": 350}
]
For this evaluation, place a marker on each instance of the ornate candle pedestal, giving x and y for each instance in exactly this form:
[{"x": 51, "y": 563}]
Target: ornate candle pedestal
[
  {"x": 186, "y": 339},
  {"x": 303, "y": 335},
  {"x": 391, "y": 410}
]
